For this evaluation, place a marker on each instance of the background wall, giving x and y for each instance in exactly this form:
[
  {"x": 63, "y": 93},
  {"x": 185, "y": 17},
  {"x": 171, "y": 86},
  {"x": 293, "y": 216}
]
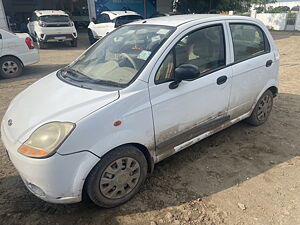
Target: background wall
[
  {"x": 3, "y": 23},
  {"x": 297, "y": 26},
  {"x": 275, "y": 21}
]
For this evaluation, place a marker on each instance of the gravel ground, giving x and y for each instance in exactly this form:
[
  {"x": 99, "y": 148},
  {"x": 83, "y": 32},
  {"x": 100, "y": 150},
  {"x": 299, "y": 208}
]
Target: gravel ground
[{"x": 242, "y": 175}]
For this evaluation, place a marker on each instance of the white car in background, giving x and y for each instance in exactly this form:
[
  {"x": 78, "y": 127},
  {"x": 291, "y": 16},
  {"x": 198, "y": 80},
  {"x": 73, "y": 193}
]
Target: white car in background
[
  {"x": 108, "y": 21},
  {"x": 148, "y": 90},
  {"x": 16, "y": 51},
  {"x": 52, "y": 26}
]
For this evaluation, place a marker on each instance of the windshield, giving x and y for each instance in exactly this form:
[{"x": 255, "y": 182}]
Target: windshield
[
  {"x": 118, "y": 58},
  {"x": 55, "y": 19}
]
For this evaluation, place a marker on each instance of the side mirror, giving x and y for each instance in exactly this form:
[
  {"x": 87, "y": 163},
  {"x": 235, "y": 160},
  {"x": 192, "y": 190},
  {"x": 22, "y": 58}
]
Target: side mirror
[
  {"x": 94, "y": 20},
  {"x": 28, "y": 19},
  {"x": 185, "y": 72}
]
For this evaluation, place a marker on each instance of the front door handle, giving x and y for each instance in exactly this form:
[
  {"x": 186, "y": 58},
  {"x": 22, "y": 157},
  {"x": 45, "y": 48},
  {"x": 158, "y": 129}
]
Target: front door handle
[
  {"x": 222, "y": 80},
  {"x": 269, "y": 63}
]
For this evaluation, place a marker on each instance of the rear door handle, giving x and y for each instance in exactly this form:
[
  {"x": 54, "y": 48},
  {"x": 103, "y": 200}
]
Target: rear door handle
[
  {"x": 269, "y": 63},
  {"x": 222, "y": 80}
]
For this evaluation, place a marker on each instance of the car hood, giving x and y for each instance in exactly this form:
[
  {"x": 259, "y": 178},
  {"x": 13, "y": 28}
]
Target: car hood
[{"x": 51, "y": 99}]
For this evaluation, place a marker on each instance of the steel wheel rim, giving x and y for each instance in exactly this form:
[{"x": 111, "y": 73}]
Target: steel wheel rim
[
  {"x": 10, "y": 67},
  {"x": 120, "y": 178},
  {"x": 264, "y": 108}
]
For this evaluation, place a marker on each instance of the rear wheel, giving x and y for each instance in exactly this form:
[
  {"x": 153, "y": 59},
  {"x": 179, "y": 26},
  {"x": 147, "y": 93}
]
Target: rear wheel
[
  {"x": 262, "y": 109},
  {"x": 117, "y": 177},
  {"x": 10, "y": 67}
]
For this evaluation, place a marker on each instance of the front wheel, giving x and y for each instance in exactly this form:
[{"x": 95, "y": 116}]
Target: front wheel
[
  {"x": 117, "y": 177},
  {"x": 262, "y": 109}
]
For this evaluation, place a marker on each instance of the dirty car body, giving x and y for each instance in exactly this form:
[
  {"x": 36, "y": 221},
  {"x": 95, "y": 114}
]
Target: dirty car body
[{"x": 155, "y": 86}]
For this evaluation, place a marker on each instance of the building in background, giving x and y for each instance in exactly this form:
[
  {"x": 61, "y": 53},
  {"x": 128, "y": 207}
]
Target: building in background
[
  {"x": 81, "y": 11},
  {"x": 3, "y": 22}
]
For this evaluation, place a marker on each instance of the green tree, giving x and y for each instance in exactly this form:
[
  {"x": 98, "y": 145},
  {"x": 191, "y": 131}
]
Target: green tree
[
  {"x": 263, "y": 3},
  {"x": 205, "y": 6}
]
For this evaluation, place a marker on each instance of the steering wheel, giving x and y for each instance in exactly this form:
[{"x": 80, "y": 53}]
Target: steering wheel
[{"x": 124, "y": 55}]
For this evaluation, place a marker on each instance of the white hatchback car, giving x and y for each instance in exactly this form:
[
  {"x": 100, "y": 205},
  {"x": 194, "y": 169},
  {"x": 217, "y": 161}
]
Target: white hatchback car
[
  {"x": 16, "y": 51},
  {"x": 143, "y": 93},
  {"x": 108, "y": 21},
  {"x": 52, "y": 26}
]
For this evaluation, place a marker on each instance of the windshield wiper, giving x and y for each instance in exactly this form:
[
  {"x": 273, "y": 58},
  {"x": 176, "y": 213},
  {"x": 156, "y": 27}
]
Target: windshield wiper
[
  {"x": 75, "y": 75},
  {"x": 107, "y": 83},
  {"x": 80, "y": 77}
]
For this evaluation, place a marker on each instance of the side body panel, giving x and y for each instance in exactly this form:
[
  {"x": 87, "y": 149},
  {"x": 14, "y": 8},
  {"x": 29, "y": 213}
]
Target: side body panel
[{"x": 98, "y": 134}]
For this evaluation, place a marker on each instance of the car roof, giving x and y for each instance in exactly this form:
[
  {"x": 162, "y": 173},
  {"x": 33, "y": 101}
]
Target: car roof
[
  {"x": 50, "y": 13},
  {"x": 115, "y": 14},
  {"x": 177, "y": 20}
]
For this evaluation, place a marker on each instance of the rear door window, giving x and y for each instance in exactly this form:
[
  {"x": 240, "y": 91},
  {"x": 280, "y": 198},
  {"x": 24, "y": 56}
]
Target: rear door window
[
  {"x": 248, "y": 41},
  {"x": 103, "y": 18}
]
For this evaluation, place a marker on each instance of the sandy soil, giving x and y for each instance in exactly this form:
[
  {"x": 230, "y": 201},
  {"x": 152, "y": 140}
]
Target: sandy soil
[{"x": 242, "y": 175}]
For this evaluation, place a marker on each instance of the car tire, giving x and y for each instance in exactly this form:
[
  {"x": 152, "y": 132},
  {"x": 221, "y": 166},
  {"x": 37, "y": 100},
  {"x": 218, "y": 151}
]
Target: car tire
[
  {"x": 117, "y": 177},
  {"x": 10, "y": 67},
  {"x": 41, "y": 44},
  {"x": 92, "y": 40},
  {"x": 74, "y": 43},
  {"x": 262, "y": 109}
]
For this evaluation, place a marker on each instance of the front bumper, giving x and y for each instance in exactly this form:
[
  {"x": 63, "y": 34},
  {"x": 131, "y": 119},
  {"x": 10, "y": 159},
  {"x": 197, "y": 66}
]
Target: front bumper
[
  {"x": 58, "y": 179},
  {"x": 56, "y": 34},
  {"x": 59, "y": 38}
]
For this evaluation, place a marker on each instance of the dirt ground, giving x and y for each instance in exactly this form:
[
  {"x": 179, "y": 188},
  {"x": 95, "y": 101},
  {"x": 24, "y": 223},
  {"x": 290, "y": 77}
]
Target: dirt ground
[{"x": 242, "y": 175}]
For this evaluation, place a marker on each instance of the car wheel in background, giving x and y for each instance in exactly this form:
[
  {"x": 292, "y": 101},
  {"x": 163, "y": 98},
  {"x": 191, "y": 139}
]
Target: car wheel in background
[
  {"x": 262, "y": 109},
  {"x": 91, "y": 37},
  {"x": 74, "y": 43},
  {"x": 41, "y": 44},
  {"x": 117, "y": 177},
  {"x": 10, "y": 67}
]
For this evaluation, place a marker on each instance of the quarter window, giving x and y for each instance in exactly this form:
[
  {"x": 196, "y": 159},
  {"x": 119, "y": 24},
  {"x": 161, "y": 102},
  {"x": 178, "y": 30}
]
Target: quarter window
[
  {"x": 248, "y": 41},
  {"x": 103, "y": 18},
  {"x": 203, "y": 48}
]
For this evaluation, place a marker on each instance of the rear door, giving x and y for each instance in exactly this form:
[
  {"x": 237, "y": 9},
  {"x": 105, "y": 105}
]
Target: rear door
[
  {"x": 180, "y": 115},
  {"x": 253, "y": 65}
]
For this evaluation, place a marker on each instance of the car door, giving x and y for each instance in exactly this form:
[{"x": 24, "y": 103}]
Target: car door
[
  {"x": 197, "y": 106},
  {"x": 253, "y": 65}
]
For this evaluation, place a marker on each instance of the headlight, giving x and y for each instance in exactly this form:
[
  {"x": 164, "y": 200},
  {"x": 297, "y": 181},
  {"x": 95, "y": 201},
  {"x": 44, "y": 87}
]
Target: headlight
[
  {"x": 45, "y": 140},
  {"x": 42, "y": 23}
]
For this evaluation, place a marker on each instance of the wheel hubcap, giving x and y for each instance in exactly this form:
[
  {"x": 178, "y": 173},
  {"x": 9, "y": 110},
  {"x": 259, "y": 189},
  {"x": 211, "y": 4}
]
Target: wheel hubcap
[
  {"x": 264, "y": 108},
  {"x": 120, "y": 178},
  {"x": 10, "y": 67}
]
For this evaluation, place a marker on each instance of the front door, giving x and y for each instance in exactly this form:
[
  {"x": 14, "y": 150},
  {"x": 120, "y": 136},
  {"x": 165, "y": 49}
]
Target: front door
[{"x": 197, "y": 106}]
